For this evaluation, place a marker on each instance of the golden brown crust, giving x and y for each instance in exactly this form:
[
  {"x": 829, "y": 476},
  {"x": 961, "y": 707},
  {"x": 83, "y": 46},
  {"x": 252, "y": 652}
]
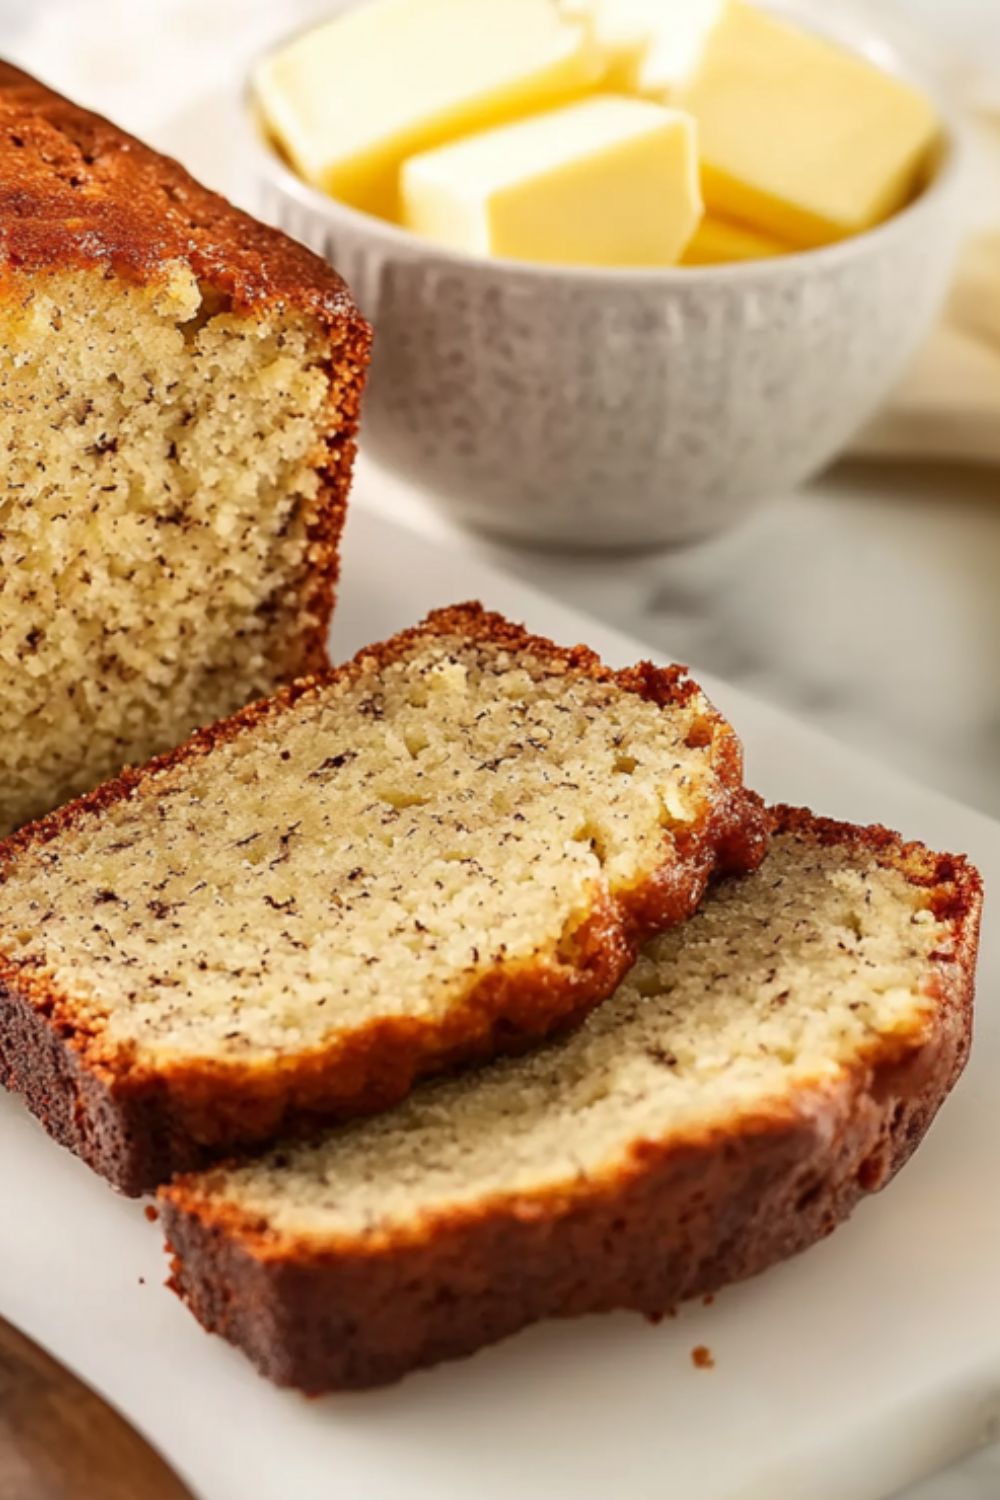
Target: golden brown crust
[
  {"x": 346, "y": 371},
  {"x": 75, "y": 191},
  {"x": 684, "y": 1218},
  {"x": 159, "y": 1121},
  {"x": 78, "y": 193}
]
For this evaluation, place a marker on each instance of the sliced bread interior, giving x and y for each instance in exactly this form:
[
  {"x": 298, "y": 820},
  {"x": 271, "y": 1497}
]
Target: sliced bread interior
[
  {"x": 760, "y": 1068},
  {"x": 179, "y": 391},
  {"x": 441, "y": 851}
]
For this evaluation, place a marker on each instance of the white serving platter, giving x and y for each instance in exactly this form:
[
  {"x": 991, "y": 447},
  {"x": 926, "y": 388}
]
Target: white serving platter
[{"x": 843, "y": 1375}]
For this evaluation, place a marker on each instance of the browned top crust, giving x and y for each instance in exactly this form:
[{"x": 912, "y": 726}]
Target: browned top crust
[
  {"x": 957, "y": 884},
  {"x": 77, "y": 192}
]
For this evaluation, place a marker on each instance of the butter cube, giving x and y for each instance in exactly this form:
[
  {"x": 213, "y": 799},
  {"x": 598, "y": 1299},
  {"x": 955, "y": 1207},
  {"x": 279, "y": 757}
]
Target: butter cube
[
  {"x": 349, "y": 100},
  {"x": 622, "y": 43},
  {"x": 676, "y": 46},
  {"x": 801, "y": 139},
  {"x": 607, "y": 181},
  {"x": 652, "y": 46},
  {"x": 717, "y": 241}
]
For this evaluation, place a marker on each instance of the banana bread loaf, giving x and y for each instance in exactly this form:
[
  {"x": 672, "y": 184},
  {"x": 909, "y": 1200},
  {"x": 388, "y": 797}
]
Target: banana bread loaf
[
  {"x": 761, "y": 1068},
  {"x": 439, "y": 852},
  {"x": 178, "y": 396}
]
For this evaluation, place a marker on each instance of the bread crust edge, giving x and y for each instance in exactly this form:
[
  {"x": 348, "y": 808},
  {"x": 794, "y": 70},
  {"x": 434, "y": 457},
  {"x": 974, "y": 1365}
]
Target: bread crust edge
[
  {"x": 682, "y": 1219},
  {"x": 138, "y": 1124},
  {"x": 86, "y": 196}
]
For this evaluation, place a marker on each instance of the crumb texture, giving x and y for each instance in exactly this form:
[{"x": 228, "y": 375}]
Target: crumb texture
[
  {"x": 402, "y": 830},
  {"x": 762, "y": 1069},
  {"x": 777, "y": 987},
  {"x": 178, "y": 396},
  {"x": 161, "y": 469}
]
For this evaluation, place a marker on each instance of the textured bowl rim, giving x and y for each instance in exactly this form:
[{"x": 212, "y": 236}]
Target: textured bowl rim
[{"x": 332, "y": 212}]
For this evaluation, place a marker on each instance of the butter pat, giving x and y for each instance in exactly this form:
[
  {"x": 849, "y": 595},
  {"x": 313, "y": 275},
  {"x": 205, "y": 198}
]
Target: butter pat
[
  {"x": 607, "y": 181},
  {"x": 675, "y": 35},
  {"x": 799, "y": 138},
  {"x": 651, "y": 47},
  {"x": 622, "y": 43},
  {"x": 676, "y": 46},
  {"x": 350, "y": 99},
  {"x": 718, "y": 241}
]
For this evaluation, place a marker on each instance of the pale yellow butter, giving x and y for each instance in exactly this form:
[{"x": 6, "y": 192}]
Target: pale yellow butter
[
  {"x": 717, "y": 241},
  {"x": 652, "y": 47},
  {"x": 350, "y": 99},
  {"x": 622, "y": 46},
  {"x": 799, "y": 138},
  {"x": 606, "y": 181}
]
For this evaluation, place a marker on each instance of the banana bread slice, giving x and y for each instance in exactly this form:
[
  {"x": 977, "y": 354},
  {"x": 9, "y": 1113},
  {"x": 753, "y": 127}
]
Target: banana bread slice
[
  {"x": 179, "y": 392},
  {"x": 761, "y": 1068},
  {"x": 441, "y": 851}
]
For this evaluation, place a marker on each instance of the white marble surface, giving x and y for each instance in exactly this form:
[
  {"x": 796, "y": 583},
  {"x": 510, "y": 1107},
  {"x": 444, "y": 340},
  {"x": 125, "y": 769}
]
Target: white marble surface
[{"x": 870, "y": 604}]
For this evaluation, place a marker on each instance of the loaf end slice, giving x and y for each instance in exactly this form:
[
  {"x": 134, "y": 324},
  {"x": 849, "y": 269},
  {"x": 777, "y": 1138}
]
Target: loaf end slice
[
  {"x": 440, "y": 852},
  {"x": 179, "y": 391},
  {"x": 759, "y": 1071}
]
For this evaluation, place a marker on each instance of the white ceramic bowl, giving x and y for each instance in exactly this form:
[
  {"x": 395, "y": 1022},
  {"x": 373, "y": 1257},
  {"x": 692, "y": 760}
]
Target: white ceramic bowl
[{"x": 618, "y": 409}]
